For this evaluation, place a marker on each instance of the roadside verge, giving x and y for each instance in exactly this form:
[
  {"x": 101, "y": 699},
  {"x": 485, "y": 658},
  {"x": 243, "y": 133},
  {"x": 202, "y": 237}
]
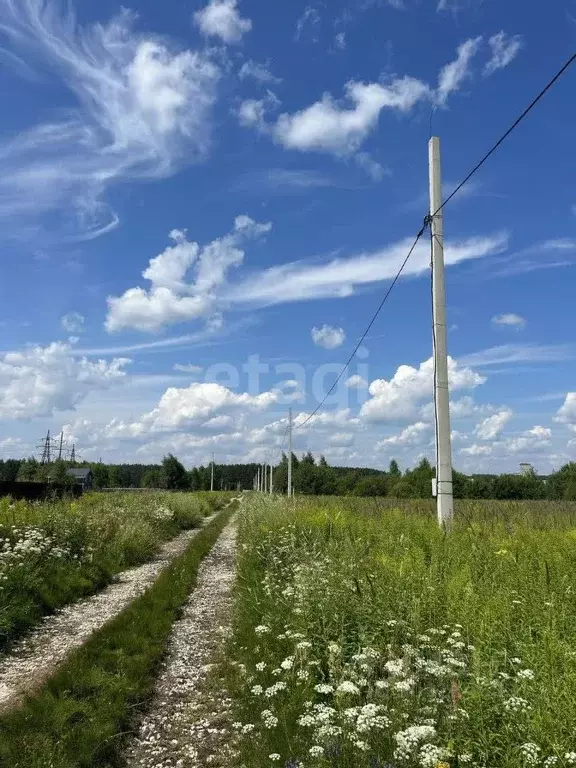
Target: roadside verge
[{"x": 78, "y": 718}]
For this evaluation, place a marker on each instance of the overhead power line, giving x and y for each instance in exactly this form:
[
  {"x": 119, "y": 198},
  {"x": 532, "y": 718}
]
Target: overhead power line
[
  {"x": 514, "y": 125},
  {"x": 370, "y": 324},
  {"x": 427, "y": 220}
]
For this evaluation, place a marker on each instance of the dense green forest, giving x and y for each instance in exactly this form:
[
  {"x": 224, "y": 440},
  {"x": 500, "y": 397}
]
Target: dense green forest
[{"x": 310, "y": 476}]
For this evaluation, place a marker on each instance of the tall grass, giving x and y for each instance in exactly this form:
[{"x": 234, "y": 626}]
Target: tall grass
[
  {"x": 367, "y": 637},
  {"x": 54, "y": 553},
  {"x": 81, "y": 715}
]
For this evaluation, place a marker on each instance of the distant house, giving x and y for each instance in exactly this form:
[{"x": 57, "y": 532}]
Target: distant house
[{"x": 82, "y": 477}]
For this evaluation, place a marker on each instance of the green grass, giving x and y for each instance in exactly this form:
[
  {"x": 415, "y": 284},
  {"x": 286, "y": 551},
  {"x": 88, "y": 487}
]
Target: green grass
[
  {"x": 80, "y": 716},
  {"x": 54, "y": 553},
  {"x": 430, "y": 650}
]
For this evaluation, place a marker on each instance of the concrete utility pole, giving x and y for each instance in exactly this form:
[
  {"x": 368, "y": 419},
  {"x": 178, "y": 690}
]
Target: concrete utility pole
[
  {"x": 271, "y": 485},
  {"x": 264, "y": 477},
  {"x": 258, "y": 479},
  {"x": 212, "y": 475},
  {"x": 290, "y": 452},
  {"x": 444, "y": 498},
  {"x": 60, "y": 449}
]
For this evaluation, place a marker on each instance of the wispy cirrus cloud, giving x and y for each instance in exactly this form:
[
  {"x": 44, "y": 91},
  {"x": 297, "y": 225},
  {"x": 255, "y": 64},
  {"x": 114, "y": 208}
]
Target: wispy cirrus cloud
[
  {"x": 253, "y": 70},
  {"x": 283, "y": 179},
  {"x": 456, "y": 72},
  {"x": 504, "y": 49},
  {"x": 340, "y": 277},
  {"x": 143, "y": 110},
  {"x": 519, "y": 353},
  {"x": 554, "y": 253}
]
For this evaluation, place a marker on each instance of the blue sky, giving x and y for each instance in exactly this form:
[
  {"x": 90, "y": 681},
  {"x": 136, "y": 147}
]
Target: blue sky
[{"x": 187, "y": 186}]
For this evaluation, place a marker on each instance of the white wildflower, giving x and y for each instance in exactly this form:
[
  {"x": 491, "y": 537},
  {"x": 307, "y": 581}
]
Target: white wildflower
[
  {"x": 270, "y": 720},
  {"x": 430, "y": 755},
  {"x": 394, "y": 667},
  {"x": 530, "y": 753},
  {"x": 347, "y": 686},
  {"x": 516, "y": 704},
  {"x": 525, "y": 674},
  {"x": 404, "y": 686}
]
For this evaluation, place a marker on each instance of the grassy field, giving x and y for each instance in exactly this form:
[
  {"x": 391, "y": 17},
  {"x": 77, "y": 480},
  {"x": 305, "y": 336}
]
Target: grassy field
[
  {"x": 54, "y": 553},
  {"x": 364, "y": 636}
]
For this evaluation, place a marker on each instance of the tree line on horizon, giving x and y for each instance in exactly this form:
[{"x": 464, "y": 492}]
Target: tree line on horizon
[{"x": 310, "y": 476}]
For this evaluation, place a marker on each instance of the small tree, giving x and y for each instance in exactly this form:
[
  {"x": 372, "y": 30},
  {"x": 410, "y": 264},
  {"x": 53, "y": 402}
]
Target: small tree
[
  {"x": 154, "y": 478},
  {"x": 372, "y": 486},
  {"x": 114, "y": 476},
  {"x": 28, "y": 470},
  {"x": 59, "y": 474},
  {"x": 100, "y": 476},
  {"x": 174, "y": 473}
]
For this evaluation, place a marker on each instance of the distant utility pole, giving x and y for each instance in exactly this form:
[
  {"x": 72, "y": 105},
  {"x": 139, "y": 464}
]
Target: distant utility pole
[
  {"x": 271, "y": 485},
  {"x": 444, "y": 497},
  {"x": 212, "y": 475},
  {"x": 60, "y": 448},
  {"x": 264, "y": 477},
  {"x": 73, "y": 454},
  {"x": 258, "y": 479},
  {"x": 290, "y": 452}
]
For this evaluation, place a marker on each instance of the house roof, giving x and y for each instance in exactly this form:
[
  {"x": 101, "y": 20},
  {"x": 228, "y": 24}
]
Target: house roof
[{"x": 79, "y": 474}]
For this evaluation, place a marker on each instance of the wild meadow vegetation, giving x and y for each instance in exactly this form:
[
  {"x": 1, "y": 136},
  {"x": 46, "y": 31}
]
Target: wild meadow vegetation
[
  {"x": 365, "y": 636},
  {"x": 81, "y": 716},
  {"x": 54, "y": 553}
]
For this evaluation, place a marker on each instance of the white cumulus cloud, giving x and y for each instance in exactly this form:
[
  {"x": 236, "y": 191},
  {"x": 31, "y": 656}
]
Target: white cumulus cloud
[
  {"x": 171, "y": 299},
  {"x": 417, "y": 434},
  {"x": 327, "y": 126},
  {"x": 38, "y": 381},
  {"x": 201, "y": 402},
  {"x": 221, "y": 18},
  {"x": 399, "y": 398},
  {"x": 491, "y": 427},
  {"x": 328, "y": 337},
  {"x": 252, "y": 112},
  {"x": 73, "y": 322},
  {"x": 356, "y": 382},
  {"x": 511, "y": 320},
  {"x": 567, "y": 412}
]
